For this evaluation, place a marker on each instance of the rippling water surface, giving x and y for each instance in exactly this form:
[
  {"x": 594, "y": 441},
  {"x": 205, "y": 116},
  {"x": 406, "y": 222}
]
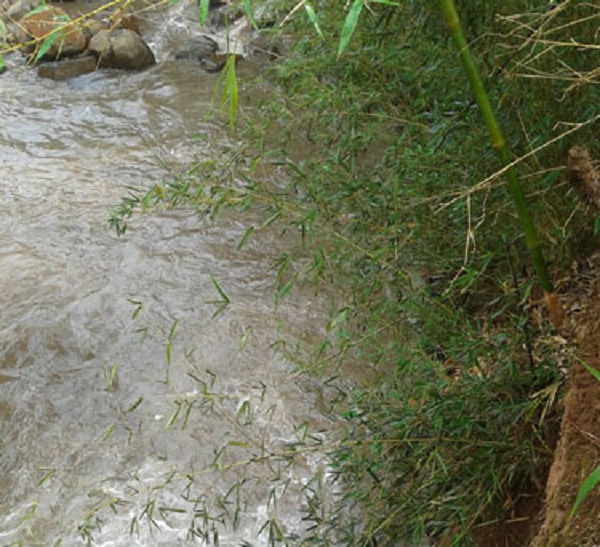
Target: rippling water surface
[{"x": 72, "y": 450}]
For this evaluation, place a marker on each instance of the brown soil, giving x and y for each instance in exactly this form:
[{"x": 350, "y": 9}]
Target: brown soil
[
  {"x": 578, "y": 450},
  {"x": 517, "y": 529}
]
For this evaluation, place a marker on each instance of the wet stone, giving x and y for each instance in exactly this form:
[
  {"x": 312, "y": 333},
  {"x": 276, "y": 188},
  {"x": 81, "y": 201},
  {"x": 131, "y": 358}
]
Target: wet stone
[{"x": 70, "y": 68}]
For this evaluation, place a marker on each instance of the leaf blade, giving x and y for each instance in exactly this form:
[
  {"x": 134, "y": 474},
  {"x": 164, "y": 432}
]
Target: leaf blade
[
  {"x": 587, "y": 486},
  {"x": 312, "y": 16},
  {"x": 248, "y": 9},
  {"x": 202, "y": 11},
  {"x": 349, "y": 25}
]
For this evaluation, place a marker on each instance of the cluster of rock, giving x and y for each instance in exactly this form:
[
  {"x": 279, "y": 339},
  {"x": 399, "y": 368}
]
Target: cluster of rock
[
  {"x": 64, "y": 46},
  {"x": 68, "y": 46}
]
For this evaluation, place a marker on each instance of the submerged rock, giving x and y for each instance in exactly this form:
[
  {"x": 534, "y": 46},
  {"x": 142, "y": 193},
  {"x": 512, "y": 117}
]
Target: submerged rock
[
  {"x": 121, "y": 48},
  {"x": 69, "y": 68}
]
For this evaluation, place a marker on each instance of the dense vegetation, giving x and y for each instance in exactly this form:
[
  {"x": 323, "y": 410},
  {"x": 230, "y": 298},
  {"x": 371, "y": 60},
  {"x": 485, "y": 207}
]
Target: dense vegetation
[{"x": 393, "y": 187}]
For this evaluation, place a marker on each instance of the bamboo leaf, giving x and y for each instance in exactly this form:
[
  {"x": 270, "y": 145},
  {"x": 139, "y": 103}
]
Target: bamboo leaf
[
  {"x": 109, "y": 431},
  {"x": 588, "y": 485},
  {"x": 313, "y": 18},
  {"x": 592, "y": 371},
  {"x": 247, "y": 234},
  {"x": 220, "y": 310},
  {"x": 138, "y": 307},
  {"x": 281, "y": 293},
  {"x": 136, "y": 403},
  {"x": 202, "y": 11},
  {"x": 488, "y": 116},
  {"x": 244, "y": 339},
  {"x": 232, "y": 87},
  {"x": 173, "y": 416},
  {"x": 228, "y": 80},
  {"x": 221, "y": 292},
  {"x": 350, "y": 25},
  {"x": 271, "y": 219},
  {"x": 172, "y": 331},
  {"x": 46, "y": 45},
  {"x": 47, "y": 476},
  {"x": 248, "y": 9},
  {"x": 38, "y": 9}
]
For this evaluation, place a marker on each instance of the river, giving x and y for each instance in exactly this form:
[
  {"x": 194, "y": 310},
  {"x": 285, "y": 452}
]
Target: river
[{"x": 107, "y": 437}]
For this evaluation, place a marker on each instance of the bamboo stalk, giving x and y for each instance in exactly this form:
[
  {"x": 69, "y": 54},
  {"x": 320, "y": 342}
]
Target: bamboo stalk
[{"x": 499, "y": 144}]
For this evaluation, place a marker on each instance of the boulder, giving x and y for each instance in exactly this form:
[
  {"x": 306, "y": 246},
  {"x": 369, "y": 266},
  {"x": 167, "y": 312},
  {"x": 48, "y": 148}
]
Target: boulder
[
  {"x": 68, "y": 68},
  {"x": 217, "y": 61},
  {"x": 121, "y": 48},
  {"x": 17, "y": 9},
  {"x": 122, "y": 19},
  {"x": 39, "y": 25},
  {"x": 15, "y": 34},
  {"x": 197, "y": 49}
]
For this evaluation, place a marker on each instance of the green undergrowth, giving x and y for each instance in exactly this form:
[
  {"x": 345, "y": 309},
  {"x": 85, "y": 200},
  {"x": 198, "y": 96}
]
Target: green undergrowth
[{"x": 451, "y": 371}]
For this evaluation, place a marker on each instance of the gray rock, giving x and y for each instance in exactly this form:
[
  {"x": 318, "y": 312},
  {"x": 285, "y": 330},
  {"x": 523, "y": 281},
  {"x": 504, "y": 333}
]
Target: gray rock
[
  {"x": 197, "y": 49},
  {"x": 121, "y": 48},
  {"x": 19, "y": 8},
  {"x": 15, "y": 33}
]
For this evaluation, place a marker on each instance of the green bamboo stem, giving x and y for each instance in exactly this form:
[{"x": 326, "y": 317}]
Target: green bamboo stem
[{"x": 498, "y": 143}]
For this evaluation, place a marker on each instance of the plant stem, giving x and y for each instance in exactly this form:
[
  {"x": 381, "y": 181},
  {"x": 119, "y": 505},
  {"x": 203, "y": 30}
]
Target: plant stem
[{"x": 498, "y": 143}]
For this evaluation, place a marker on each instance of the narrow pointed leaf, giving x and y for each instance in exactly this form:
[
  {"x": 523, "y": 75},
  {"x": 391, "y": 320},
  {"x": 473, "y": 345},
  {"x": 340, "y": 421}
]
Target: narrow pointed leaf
[
  {"x": 588, "y": 485},
  {"x": 247, "y": 234},
  {"x": 202, "y": 11},
  {"x": 350, "y": 25},
  {"x": 249, "y": 13},
  {"x": 46, "y": 45},
  {"x": 595, "y": 373},
  {"x": 313, "y": 18},
  {"x": 221, "y": 292}
]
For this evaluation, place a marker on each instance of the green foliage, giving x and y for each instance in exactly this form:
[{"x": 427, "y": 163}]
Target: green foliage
[
  {"x": 350, "y": 24},
  {"x": 202, "y": 11},
  {"x": 313, "y": 18},
  {"x": 229, "y": 94},
  {"x": 586, "y": 487},
  {"x": 46, "y": 44},
  {"x": 2, "y": 45},
  {"x": 249, "y": 13},
  {"x": 400, "y": 201},
  {"x": 403, "y": 217}
]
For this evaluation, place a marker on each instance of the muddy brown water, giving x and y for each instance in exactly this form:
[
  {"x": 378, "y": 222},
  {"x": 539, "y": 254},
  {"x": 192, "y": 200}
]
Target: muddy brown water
[{"x": 73, "y": 447}]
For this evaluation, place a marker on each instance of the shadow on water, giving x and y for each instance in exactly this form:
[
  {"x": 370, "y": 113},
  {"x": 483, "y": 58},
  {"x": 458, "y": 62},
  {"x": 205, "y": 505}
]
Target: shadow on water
[{"x": 106, "y": 433}]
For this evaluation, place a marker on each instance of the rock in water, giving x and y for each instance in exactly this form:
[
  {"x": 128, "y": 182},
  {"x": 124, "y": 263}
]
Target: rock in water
[
  {"x": 40, "y": 25},
  {"x": 70, "y": 68},
  {"x": 15, "y": 11},
  {"x": 199, "y": 48},
  {"x": 121, "y": 48}
]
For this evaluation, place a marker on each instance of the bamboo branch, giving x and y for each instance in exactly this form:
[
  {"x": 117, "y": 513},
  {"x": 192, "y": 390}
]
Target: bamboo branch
[{"x": 499, "y": 144}]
